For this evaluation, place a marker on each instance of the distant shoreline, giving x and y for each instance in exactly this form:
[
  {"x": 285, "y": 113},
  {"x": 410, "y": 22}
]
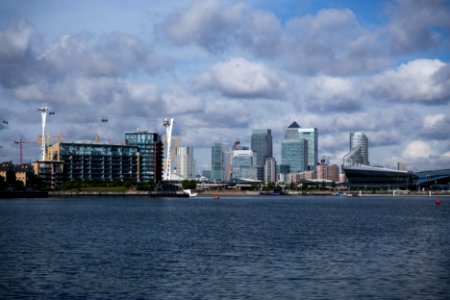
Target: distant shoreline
[{"x": 75, "y": 194}]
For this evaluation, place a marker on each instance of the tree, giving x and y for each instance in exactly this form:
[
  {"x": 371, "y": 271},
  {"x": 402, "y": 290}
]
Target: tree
[
  {"x": 189, "y": 184},
  {"x": 3, "y": 184},
  {"x": 19, "y": 186},
  {"x": 35, "y": 182},
  {"x": 292, "y": 186}
]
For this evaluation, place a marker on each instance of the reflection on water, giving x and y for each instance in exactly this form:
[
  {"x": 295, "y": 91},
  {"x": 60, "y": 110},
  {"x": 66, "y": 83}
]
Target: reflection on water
[{"x": 199, "y": 248}]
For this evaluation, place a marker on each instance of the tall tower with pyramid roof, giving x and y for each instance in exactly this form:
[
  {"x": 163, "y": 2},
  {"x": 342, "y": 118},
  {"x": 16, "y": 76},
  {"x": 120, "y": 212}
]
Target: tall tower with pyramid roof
[{"x": 294, "y": 150}]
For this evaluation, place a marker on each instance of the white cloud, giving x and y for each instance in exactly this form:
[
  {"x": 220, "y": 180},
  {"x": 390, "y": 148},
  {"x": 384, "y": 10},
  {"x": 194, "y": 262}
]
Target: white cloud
[
  {"x": 216, "y": 27},
  {"x": 331, "y": 93},
  {"x": 241, "y": 78},
  {"x": 226, "y": 113},
  {"x": 191, "y": 23},
  {"x": 31, "y": 92},
  {"x": 16, "y": 39},
  {"x": 417, "y": 25},
  {"x": 356, "y": 122},
  {"x": 411, "y": 82},
  {"x": 178, "y": 101},
  {"x": 101, "y": 55},
  {"x": 416, "y": 150},
  {"x": 430, "y": 121}
]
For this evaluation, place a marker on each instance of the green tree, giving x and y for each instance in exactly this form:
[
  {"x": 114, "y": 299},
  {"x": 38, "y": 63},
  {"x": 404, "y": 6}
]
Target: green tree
[
  {"x": 292, "y": 186},
  {"x": 189, "y": 184}
]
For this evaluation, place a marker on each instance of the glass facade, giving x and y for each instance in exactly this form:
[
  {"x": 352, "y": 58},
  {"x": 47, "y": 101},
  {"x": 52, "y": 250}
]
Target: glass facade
[
  {"x": 270, "y": 167},
  {"x": 353, "y": 158},
  {"x": 294, "y": 153},
  {"x": 359, "y": 139},
  {"x": 244, "y": 164},
  {"x": 98, "y": 161},
  {"x": 139, "y": 160},
  {"x": 311, "y": 135},
  {"x": 218, "y": 162},
  {"x": 261, "y": 143},
  {"x": 294, "y": 150},
  {"x": 149, "y": 154}
]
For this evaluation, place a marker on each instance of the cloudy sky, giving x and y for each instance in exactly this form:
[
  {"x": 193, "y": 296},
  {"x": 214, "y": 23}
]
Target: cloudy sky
[{"x": 223, "y": 68}]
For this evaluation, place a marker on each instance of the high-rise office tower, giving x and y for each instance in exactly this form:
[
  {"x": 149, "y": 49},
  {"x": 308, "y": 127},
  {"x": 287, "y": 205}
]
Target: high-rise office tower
[
  {"x": 359, "y": 139},
  {"x": 311, "y": 135},
  {"x": 261, "y": 143},
  {"x": 294, "y": 150},
  {"x": 270, "y": 170},
  {"x": 185, "y": 162},
  {"x": 244, "y": 164},
  {"x": 218, "y": 162}
]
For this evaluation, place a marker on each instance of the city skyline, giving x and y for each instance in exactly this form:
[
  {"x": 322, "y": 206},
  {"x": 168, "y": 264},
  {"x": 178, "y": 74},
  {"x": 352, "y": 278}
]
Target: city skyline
[{"x": 223, "y": 68}]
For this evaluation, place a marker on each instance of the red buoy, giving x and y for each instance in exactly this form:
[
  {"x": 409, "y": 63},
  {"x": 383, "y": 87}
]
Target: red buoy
[{"x": 438, "y": 202}]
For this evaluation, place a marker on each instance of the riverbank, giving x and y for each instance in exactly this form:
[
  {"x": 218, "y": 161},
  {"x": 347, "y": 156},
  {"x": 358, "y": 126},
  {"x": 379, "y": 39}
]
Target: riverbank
[
  {"x": 14, "y": 195},
  {"x": 69, "y": 194},
  {"x": 209, "y": 193}
]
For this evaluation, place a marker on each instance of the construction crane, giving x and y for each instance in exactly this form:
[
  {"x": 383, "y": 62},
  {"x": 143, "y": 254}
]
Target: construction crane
[
  {"x": 21, "y": 142},
  {"x": 60, "y": 137}
]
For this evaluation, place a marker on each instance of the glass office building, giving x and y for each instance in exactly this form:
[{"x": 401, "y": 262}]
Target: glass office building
[
  {"x": 185, "y": 162},
  {"x": 294, "y": 150},
  {"x": 311, "y": 135},
  {"x": 261, "y": 143},
  {"x": 140, "y": 159},
  {"x": 218, "y": 162},
  {"x": 149, "y": 154},
  {"x": 359, "y": 139},
  {"x": 244, "y": 165}
]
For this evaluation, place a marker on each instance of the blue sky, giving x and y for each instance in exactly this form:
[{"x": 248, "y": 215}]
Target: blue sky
[{"x": 223, "y": 68}]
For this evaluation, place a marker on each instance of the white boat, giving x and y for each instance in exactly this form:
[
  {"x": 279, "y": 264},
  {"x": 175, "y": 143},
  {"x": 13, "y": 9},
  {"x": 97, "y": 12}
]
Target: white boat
[{"x": 190, "y": 193}]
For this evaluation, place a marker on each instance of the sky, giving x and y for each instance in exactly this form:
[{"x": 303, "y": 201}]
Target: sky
[{"x": 224, "y": 68}]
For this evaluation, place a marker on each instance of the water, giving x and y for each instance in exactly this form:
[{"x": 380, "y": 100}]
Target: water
[{"x": 233, "y": 248}]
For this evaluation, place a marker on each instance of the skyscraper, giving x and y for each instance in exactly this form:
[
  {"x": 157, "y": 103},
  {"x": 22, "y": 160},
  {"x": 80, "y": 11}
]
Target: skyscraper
[
  {"x": 361, "y": 140},
  {"x": 185, "y": 162},
  {"x": 218, "y": 161},
  {"x": 261, "y": 143},
  {"x": 244, "y": 164},
  {"x": 270, "y": 170},
  {"x": 311, "y": 135},
  {"x": 294, "y": 150}
]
